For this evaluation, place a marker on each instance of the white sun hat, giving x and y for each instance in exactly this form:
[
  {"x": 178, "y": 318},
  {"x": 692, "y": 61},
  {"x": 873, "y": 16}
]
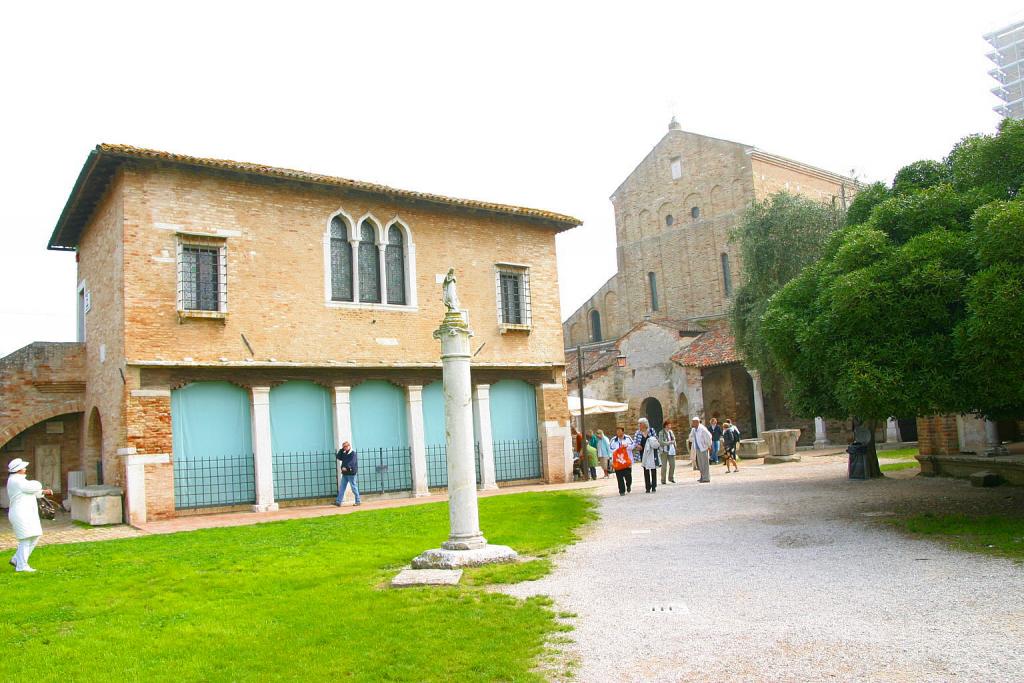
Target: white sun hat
[{"x": 16, "y": 465}]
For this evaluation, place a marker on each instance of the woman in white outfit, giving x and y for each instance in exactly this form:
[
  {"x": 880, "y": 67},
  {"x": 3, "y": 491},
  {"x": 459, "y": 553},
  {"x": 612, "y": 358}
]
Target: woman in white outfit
[{"x": 24, "y": 512}]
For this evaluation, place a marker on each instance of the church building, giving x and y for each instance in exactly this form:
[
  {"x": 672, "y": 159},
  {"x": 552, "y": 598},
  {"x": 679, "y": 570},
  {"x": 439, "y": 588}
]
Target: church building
[{"x": 656, "y": 335}]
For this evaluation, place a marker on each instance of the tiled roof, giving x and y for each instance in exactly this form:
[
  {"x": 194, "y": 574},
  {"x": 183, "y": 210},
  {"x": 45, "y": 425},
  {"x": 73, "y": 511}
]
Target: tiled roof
[
  {"x": 717, "y": 346},
  {"x": 104, "y": 160},
  {"x": 685, "y": 326},
  {"x": 595, "y": 358}
]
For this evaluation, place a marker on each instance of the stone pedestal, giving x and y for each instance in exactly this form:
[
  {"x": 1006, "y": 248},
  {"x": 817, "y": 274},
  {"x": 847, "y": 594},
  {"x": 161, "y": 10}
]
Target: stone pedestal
[
  {"x": 97, "y": 505},
  {"x": 820, "y": 434},
  {"x": 781, "y": 445},
  {"x": 466, "y": 545},
  {"x": 750, "y": 449}
]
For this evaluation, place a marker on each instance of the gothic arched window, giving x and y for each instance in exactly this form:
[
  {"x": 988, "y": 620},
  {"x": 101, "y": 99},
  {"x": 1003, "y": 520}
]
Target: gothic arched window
[
  {"x": 369, "y": 264},
  {"x": 394, "y": 262},
  {"x": 341, "y": 261}
]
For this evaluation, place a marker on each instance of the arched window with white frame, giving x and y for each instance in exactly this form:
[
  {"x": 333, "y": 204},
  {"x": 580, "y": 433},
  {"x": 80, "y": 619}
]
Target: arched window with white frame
[
  {"x": 369, "y": 263},
  {"x": 394, "y": 263},
  {"x": 341, "y": 261}
]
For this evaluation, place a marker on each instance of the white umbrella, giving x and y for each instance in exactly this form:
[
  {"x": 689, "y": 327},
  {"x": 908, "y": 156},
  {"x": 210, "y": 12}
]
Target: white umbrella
[{"x": 594, "y": 406}]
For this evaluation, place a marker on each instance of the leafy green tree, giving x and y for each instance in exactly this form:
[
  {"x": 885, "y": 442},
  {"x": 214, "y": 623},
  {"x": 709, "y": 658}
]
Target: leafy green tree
[
  {"x": 919, "y": 308},
  {"x": 777, "y": 237},
  {"x": 866, "y": 200}
]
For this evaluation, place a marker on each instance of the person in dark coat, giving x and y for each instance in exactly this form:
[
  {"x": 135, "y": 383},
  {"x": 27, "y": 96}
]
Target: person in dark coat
[{"x": 349, "y": 463}]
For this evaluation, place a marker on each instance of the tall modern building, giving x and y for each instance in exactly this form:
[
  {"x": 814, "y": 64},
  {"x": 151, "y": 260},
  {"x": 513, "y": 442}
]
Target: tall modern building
[{"x": 1009, "y": 58}]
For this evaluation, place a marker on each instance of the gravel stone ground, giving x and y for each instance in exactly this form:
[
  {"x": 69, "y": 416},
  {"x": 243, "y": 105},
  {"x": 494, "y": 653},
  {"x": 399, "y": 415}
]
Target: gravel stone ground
[{"x": 786, "y": 573}]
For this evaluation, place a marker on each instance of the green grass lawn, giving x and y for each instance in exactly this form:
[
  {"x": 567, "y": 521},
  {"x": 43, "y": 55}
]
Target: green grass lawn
[
  {"x": 893, "y": 466},
  {"x": 300, "y": 600},
  {"x": 898, "y": 453},
  {"x": 995, "y": 534}
]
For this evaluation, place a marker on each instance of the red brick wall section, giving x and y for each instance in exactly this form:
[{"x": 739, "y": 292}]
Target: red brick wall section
[
  {"x": 69, "y": 442},
  {"x": 38, "y": 382},
  {"x": 149, "y": 424},
  {"x": 159, "y": 491},
  {"x": 938, "y": 435},
  {"x": 553, "y": 408}
]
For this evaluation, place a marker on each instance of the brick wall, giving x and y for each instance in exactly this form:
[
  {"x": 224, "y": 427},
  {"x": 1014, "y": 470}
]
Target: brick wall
[
  {"x": 938, "y": 435},
  {"x": 38, "y": 382},
  {"x": 101, "y": 253},
  {"x": 276, "y": 276},
  {"x": 69, "y": 441}
]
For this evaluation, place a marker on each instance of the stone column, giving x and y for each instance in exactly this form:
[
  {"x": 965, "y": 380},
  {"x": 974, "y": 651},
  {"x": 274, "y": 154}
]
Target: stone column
[
  {"x": 417, "y": 440},
  {"x": 482, "y": 424},
  {"x": 137, "y": 502},
  {"x": 758, "y": 402},
  {"x": 342, "y": 415},
  {"x": 820, "y": 433},
  {"x": 463, "y": 514},
  {"x": 262, "y": 450},
  {"x": 892, "y": 430}
]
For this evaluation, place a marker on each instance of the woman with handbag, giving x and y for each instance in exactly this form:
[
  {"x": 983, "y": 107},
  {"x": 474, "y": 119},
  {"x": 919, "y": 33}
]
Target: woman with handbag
[
  {"x": 667, "y": 437},
  {"x": 622, "y": 460},
  {"x": 604, "y": 452},
  {"x": 24, "y": 512},
  {"x": 646, "y": 444}
]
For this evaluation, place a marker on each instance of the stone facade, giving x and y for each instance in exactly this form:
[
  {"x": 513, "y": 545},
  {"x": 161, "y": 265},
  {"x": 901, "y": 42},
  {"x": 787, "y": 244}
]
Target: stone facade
[
  {"x": 276, "y": 320},
  {"x": 673, "y": 216}
]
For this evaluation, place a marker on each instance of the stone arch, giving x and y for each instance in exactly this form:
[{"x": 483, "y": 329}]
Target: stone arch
[
  {"x": 719, "y": 201},
  {"x": 647, "y": 226},
  {"x": 92, "y": 448},
  {"x": 667, "y": 216},
  {"x": 611, "y": 306},
  {"x": 693, "y": 200},
  {"x": 651, "y": 409},
  {"x": 36, "y": 415},
  {"x": 595, "y": 325}
]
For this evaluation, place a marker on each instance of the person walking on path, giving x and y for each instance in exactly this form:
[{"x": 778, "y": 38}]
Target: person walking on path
[
  {"x": 591, "y": 449},
  {"x": 349, "y": 470},
  {"x": 24, "y": 512},
  {"x": 645, "y": 445},
  {"x": 622, "y": 460},
  {"x": 700, "y": 437},
  {"x": 716, "y": 439},
  {"x": 604, "y": 453},
  {"x": 581, "y": 454},
  {"x": 730, "y": 437},
  {"x": 667, "y": 437}
]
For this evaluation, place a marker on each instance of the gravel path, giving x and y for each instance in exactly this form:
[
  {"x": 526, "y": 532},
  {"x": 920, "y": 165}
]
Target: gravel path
[{"x": 783, "y": 573}]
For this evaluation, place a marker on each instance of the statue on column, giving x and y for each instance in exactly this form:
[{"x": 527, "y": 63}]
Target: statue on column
[{"x": 449, "y": 296}]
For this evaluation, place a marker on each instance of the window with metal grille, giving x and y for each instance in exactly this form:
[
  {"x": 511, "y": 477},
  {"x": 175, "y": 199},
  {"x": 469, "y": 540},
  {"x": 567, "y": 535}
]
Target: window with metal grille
[
  {"x": 369, "y": 264},
  {"x": 201, "y": 277},
  {"x": 513, "y": 296},
  {"x": 341, "y": 261},
  {"x": 394, "y": 260}
]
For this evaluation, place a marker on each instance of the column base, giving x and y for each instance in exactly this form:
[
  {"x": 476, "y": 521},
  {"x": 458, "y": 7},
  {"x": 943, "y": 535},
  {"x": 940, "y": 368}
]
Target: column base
[
  {"x": 444, "y": 558},
  {"x": 776, "y": 459},
  {"x": 268, "y": 507},
  {"x": 822, "y": 443},
  {"x": 470, "y": 543},
  {"x": 488, "y": 487}
]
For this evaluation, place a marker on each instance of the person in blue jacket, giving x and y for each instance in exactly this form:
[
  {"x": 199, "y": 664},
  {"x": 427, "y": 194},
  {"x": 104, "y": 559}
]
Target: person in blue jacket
[{"x": 349, "y": 462}]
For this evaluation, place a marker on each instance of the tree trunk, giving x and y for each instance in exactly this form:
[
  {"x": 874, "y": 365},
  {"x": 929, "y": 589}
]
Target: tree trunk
[{"x": 864, "y": 432}]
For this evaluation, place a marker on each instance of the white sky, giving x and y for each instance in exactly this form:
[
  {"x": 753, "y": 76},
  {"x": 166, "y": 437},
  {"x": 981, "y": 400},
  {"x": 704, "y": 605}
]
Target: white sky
[{"x": 542, "y": 104}]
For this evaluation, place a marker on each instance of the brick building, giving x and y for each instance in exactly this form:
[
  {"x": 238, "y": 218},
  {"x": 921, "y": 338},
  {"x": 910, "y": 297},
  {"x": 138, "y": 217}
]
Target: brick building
[
  {"x": 237, "y": 322},
  {"x": 678, "y": 270}
]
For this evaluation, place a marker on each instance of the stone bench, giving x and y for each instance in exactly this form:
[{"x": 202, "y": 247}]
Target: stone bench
[{"x": 97, "y": 505}]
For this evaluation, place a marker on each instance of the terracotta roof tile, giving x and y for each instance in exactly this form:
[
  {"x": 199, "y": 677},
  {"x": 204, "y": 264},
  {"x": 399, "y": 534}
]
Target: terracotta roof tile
[
  {"x": 595, "y": 359},
  {"x": 717, "y": 346}
]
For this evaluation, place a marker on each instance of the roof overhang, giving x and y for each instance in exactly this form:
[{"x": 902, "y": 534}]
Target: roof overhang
[{"x": 104, "y": 161}]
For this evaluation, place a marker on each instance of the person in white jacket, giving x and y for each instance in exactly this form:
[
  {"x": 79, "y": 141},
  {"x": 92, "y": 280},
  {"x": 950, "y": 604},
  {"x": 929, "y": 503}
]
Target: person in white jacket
[
  {"x": 24, "y": 512},
  {"x": 700, "y": 440}
]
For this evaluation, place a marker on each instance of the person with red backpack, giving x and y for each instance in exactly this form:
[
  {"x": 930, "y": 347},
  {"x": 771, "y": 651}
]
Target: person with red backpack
[{"x": 622, "y": 460}]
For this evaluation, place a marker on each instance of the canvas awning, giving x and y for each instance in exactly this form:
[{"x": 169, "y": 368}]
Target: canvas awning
[{"x": 594, "y": 406}]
